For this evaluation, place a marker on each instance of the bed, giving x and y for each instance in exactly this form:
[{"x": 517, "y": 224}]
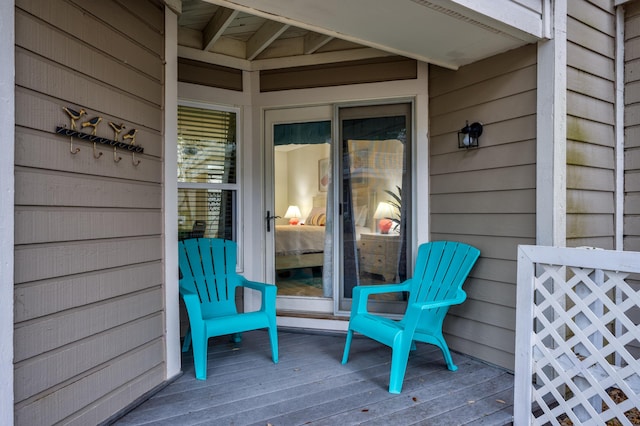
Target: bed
[
  {"x": 299, "y": 246},
  {"x": 302, "y": 246}
]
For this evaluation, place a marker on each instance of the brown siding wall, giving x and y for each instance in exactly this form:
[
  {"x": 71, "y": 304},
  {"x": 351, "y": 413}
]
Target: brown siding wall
[
  {"x": 354, "y": 72},
  {"x": 89, "y": 328},
  {"x": 485, "y": 196},
  {"x": 197, "y": 72},
  {"x": 590, "y": 124}
]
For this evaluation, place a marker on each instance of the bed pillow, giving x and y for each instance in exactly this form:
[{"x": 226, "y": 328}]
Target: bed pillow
[{"x": 317, "y": 217}]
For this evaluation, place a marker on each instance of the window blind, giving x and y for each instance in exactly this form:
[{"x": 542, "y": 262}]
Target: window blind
[
  {"x": 207, "y": 149},
  {"x": 206, "y": 145}
]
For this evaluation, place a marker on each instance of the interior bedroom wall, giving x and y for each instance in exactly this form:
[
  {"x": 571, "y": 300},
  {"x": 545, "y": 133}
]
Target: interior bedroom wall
[
  {"x": 281, "y": 178},
  {"x": 296, "y": 177}
]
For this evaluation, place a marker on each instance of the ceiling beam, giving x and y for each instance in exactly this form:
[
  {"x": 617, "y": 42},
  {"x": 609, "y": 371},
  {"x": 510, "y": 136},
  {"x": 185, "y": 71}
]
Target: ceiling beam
[
  {"x": 275, "y": 63},
  {"x": 267, "y": 33},
  {"x": 314, "y": 41},
  {"x": 216, "y": 26}
]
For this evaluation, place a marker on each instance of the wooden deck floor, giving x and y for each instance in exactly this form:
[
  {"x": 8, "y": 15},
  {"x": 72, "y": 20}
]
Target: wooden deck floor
[{"x": 310, "y": 386}]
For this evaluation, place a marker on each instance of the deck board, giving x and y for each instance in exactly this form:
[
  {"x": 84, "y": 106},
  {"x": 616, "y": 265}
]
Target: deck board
[{"x": 310, "y": 386}]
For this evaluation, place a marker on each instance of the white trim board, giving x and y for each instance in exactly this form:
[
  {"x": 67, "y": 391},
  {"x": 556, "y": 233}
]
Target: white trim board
[
  {"x": 551, "y": 205},
  {"x": 7, "y": 189},
  {"x": 170, "y": 204}
]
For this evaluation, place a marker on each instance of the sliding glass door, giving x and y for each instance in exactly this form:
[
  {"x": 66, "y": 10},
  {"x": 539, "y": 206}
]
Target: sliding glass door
[{"x": 337, "y": 203}]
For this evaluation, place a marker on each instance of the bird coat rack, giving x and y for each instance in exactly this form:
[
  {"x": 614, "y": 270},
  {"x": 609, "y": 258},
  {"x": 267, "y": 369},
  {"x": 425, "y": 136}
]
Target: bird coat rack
[{"x": 93, "y": 123}]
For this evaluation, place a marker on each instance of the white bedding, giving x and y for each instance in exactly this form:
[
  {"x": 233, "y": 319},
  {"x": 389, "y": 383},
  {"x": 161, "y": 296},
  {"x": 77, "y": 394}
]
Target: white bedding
[{"x": 301, "y": 239}]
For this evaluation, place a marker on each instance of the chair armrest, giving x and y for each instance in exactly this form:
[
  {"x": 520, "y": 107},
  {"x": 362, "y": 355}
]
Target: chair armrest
[
  {"x": 268, "y": 293},
  {"x": 191, "y": 302},
  {"x": 361, "y": 294},
  {"x": 460, "y": 297},
  {"x": 255, "y": 285},
  {"x": 414, "y": 310}
]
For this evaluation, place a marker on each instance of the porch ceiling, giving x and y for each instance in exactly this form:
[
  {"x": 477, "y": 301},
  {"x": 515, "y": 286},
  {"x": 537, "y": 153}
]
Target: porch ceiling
[{"x": 265, "y": 34}]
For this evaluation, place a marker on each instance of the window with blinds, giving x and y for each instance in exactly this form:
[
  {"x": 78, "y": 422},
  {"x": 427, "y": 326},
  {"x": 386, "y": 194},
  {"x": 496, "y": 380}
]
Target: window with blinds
[{"x": 207, "y": 172}]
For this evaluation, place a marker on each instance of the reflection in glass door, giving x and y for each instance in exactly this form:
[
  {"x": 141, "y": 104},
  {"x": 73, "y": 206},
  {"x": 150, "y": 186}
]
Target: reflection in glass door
[
  {"x": 302, "y": 166},
  {"x": 298, "y": 167},
  {"x": 375, "y": 198}
]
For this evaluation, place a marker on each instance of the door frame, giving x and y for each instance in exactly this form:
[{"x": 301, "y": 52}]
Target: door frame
[{"x": 258, "y": 102}]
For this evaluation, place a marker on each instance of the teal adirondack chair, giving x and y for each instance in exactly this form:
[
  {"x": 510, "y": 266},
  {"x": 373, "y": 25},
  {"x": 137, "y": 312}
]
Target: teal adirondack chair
[
  {"x": 441, "y": 269},
  {"x": 208, "y": 288}
]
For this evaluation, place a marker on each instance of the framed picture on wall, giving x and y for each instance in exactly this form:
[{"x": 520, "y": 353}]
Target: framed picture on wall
[{"x": 323, "y": 174}]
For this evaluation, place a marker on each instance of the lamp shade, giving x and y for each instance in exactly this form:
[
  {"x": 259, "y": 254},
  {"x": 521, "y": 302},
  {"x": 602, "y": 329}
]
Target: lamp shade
[
  {"x": 293, "y": 214},
  {"x": 382, "y": 214},
  {"x": 383, "y": 211}
]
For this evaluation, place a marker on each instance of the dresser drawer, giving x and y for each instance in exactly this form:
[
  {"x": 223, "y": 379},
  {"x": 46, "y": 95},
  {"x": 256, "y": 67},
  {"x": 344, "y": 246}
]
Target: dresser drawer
[
  {"x": 372, "y": 246},
  {"x": 378, "y": 254}
]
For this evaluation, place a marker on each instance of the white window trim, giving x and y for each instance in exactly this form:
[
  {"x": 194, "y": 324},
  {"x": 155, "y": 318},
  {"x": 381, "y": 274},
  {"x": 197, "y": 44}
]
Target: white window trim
[{"x": 237, "y": 187}]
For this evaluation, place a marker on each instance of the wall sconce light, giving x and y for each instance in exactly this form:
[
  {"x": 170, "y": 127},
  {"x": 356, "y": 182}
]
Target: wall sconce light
[
  {"x": 293, "y": 214},
  {"x": 469, "y": 135},
  {"x": 382, "y": 214}
]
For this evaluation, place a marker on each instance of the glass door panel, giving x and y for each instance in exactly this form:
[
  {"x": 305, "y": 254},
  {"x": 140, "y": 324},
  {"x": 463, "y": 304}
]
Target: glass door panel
[
  {"x": 301, "y": 165},
  {"x": 298, "y": 177},
  {"x": 375, "y": 198}
]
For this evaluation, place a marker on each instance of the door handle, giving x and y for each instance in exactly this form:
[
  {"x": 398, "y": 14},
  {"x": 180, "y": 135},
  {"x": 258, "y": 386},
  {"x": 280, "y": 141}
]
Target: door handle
[{"x": 269, "y": 218}]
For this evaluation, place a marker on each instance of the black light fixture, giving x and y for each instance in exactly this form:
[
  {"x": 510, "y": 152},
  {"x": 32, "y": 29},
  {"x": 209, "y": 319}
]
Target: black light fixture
[{"x": 469, "y": 135}]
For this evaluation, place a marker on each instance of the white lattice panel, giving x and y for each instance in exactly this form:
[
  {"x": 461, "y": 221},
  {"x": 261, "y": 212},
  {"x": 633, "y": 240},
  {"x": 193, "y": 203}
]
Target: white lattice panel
[{"x": 574, "y": 336}]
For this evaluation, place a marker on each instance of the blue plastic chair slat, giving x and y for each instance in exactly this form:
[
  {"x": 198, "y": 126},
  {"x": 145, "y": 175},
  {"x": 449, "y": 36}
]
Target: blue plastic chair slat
[
  {"x": 441, "y": 269},
  {"x": 208, "y": 287}
]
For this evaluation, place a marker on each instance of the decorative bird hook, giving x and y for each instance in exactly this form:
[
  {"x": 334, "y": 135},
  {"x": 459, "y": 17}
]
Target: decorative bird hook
[
  {"x": 115, "y": 155},
  {"x": 99, "y": 154},
  {"x": 92, "y": 123},
  {"x": 74, "y": 115},
  {"x": 117, "y": 128},
  {"x": 73, "y": 150},
  {"x": 132, "y": 135}
]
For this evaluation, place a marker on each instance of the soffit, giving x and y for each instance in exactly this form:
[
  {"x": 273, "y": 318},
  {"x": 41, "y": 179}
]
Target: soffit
[{"x": 266, "y": 34}]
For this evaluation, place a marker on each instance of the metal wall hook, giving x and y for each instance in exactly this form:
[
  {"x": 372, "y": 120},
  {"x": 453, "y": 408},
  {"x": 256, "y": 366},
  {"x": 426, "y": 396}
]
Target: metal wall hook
[
  {"x": 71, "y": 149},
  {"x": 115, "y": 155},
  {"x": 94, "y": 152},
  {"x": 133, "y": 159}
]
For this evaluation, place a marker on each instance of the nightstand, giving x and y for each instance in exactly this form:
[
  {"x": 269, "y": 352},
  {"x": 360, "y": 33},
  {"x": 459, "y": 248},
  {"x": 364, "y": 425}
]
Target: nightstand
[{"x": 379, "y": 254}]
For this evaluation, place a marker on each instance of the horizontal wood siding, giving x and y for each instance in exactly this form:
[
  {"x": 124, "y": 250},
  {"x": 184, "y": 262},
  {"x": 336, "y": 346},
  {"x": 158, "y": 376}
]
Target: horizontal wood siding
[
  {"x": 632, "y": 127},
  {"x": 485, "y": 196},
  {"x": 631, "y": 227},
  {"x": 89, "y": 297},
  {"x": 590, "y": 124}
]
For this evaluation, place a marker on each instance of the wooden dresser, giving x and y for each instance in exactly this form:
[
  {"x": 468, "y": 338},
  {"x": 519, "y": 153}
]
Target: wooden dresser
[{"x": 379, "y": 254}]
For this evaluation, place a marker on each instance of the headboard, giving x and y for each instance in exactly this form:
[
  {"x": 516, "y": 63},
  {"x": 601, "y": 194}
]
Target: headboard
[
  {"x": 363, "y": 208},
  {"x": 320, "y": 199}
]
